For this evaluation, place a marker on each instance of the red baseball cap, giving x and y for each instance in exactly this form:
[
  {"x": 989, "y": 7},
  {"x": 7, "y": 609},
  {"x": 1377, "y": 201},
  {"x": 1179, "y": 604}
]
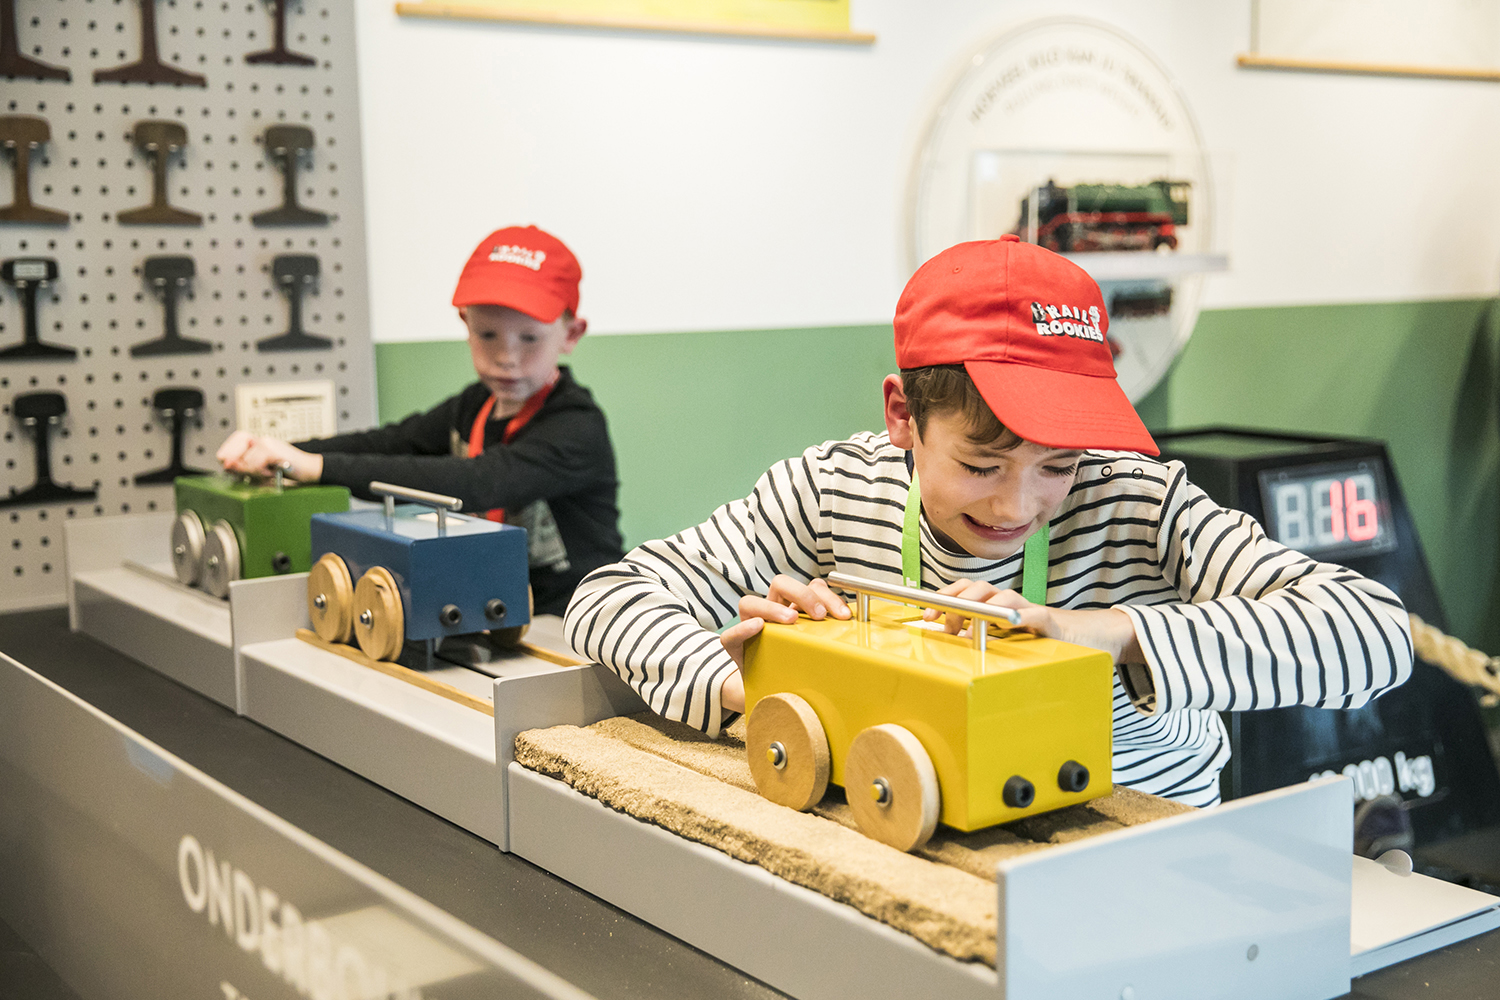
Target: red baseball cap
[
  {"x": 1028, "y": 325},
  {"x": 523, "y": 268}
]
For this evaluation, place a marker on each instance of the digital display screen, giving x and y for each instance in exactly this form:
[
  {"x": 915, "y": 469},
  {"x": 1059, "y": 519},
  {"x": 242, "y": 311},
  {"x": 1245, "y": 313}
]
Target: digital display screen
[{"x": 1337, "y": 509}]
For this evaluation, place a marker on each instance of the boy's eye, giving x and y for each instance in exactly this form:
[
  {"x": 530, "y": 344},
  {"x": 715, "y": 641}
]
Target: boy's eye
[
  {"x": 1060, "y": 470},
  {"x": 976, "y": 470}
]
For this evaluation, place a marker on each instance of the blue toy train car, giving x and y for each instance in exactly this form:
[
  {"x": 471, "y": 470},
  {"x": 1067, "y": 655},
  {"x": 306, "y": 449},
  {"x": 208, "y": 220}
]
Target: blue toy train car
[{"x": 414, "y": 573}]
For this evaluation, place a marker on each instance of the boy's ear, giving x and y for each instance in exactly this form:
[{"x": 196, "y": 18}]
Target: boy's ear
[
  {"x": 898, "y": 419},
  {"x": 577, "y": 327}
]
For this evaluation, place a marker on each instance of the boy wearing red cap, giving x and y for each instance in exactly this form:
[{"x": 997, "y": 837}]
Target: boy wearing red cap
[
  {"x": 1013, "y": 470},
  {"x": 525, "y": 443}
]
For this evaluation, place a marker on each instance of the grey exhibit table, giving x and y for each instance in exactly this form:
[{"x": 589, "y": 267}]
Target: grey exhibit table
[{"x": 586, "y": 942}]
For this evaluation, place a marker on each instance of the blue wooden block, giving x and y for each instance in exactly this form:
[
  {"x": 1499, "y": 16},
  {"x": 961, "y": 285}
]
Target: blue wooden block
[{"x": 476, "y": 562}]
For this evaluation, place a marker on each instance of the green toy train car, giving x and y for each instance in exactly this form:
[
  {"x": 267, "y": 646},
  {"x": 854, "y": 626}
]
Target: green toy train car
[
  {"x": 229, "y": 528},
  {"x": 1095, "y": 217}
]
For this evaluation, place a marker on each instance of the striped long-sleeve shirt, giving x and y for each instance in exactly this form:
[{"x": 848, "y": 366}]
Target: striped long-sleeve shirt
[{"x": 1227, "y": 619}]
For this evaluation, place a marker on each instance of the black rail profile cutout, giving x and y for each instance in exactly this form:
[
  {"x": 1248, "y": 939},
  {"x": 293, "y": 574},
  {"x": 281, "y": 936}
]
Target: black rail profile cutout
[
  {"x": 21, "y": 135},
  {"x": 289, "y": 146},
  {"x": 175, "y": 406},
  {"x": 28, "y": 275},
  {"x": 278, "y": 53},
  {"x": 38, "y": 413},
  {"x": 159, "y": 141},
  {"x": 149, "y": 68},
  {"x": 12, "y": 63},
  {"x": 169, "y": 278},
  {"x": 295, "y": 274}
]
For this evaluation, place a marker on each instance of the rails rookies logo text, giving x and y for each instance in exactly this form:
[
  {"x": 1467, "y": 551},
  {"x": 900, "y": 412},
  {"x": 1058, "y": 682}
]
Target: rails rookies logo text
[
  {"x": 1067, "y": 321},
  {"x": 508, "y": 254}
]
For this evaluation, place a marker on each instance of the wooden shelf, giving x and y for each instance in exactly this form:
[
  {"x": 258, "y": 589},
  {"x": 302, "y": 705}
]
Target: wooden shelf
[
  {"x": 1251, "y": 61},
  {"x": 491, "y": 12}
]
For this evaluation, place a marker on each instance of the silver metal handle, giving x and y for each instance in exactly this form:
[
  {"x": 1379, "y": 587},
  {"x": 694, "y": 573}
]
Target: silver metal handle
[
  {"x": 280, "y": 472},
  {"x": 980, "y": 615},
  {"x": 438, "y": 502}
]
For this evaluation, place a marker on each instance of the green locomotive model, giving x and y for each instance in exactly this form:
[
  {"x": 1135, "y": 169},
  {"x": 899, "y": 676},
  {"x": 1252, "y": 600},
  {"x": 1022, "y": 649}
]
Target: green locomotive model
[
  {"x": 229, "y": 528},
  {"x": 1096, "y": 217}
]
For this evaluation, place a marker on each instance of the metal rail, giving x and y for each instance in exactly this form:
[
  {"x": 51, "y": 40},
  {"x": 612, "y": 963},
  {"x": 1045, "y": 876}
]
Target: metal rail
[{"x": 980, "y": 615}]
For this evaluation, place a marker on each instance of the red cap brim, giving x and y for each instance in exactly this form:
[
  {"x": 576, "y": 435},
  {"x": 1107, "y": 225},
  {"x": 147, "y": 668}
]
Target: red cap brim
[
  {"x": 1061, "y": 409},
  {"x": 534, "y": 302}
]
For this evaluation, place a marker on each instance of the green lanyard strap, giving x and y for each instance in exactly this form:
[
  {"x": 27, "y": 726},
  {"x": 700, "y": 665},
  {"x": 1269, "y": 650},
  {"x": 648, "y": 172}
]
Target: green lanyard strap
[{"x": 1033, "y": 560}]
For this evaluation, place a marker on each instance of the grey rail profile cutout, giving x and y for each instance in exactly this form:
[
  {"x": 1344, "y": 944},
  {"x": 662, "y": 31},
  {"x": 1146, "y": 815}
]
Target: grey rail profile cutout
[
  {"x": 149, "y": 68},
  {"x": 12, "y": 63},
  {"x": 295, "y": 274},
  {"x": 159, "y": 141},
  {"x": 175, "y": 406},
  {"x": 22, "y": 135},
  {"x": 290, "y": 146},
  {"x": 169, "y": 277},
  {"x": 38, "y": 413},
  {"x": 278, "y": 53},
  {"x": 29, "y": 275}
]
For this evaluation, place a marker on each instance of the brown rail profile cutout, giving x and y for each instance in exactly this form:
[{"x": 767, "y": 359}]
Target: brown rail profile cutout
[
  {"x": 21, "y": 135},
  {"x": 12, "y": 63},
  {"x": 396, "y": 670},
  {"x": 38, "y": 413},
  {"x": 28, "y": 276},
  {"x": 175, "y": 406},
  {"x": 296, "y": 274},
  {"x": 289, "y": 146},
  {"x": 149, "y": 68},
  {"x": 169, "y": 278},
  {"x": 159, "y": 141},
  {"x": 278, "y": 53}
]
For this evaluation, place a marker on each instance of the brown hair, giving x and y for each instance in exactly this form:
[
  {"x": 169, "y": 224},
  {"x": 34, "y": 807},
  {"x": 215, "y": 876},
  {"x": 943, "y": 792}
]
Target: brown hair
[{"x": 948, "y": 389}]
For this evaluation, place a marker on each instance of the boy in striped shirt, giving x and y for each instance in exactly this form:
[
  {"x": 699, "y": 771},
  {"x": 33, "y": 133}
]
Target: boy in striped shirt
[{"x": 1008, "y": 432}]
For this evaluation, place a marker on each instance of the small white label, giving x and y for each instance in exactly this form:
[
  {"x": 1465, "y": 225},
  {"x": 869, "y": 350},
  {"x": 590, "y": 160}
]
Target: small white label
[
  {"x": 31, "y": 270},
  {"x": 288, "y": 411}
]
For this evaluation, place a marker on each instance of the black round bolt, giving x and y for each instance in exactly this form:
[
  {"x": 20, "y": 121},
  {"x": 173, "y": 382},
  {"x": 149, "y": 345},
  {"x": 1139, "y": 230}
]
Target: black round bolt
[
  {"x": 450, "y": 615},
  {"x": 494, "y": 609},
  {"x": 1019, "y": 793},
  {"x": 281, "y": 562},
  {"x": 1072, "y": 777}
]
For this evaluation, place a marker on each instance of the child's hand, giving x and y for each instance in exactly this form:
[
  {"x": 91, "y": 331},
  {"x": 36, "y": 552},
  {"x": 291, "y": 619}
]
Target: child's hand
[
  {"x": 259, "y": 456},
  {"x": 1108, "y": 629},
  {"x": 788, "y": 596}
]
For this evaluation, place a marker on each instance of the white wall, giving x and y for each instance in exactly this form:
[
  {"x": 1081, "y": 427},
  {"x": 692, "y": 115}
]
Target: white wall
[{"x": 713, "y": 183}]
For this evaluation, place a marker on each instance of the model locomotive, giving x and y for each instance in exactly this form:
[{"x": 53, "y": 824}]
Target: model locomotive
[
  {"x": 918, "y": 725},
  {"x": 1093, "y": 217},
  {"x": 415, "y": 573},
  {"x": 231, "y": 528}
]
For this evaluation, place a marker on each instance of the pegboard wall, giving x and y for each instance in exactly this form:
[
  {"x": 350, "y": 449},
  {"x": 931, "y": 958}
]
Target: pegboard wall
[{"x": 146, "y": 152}]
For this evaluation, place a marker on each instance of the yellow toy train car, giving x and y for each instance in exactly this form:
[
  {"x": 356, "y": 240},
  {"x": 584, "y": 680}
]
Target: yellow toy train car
[{"x": 918, "y": 725}]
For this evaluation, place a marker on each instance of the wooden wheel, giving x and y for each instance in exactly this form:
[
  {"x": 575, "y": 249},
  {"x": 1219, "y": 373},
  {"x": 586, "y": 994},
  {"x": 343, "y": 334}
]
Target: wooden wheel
[
  {"x": 330, "y": 599},
  {"x": 788, "y": 751},
  {"x": 379, "y": 623},
  {"x": 221, "y": 559},
  {"x": 187, "y": 547},
  {"x": 892, "y": 787}
]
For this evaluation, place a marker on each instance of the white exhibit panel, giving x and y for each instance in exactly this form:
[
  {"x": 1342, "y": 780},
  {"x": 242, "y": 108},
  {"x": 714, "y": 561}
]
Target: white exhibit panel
[
  {"x": 123, "y": 593},
  {"x": 1399, "y": 914}
]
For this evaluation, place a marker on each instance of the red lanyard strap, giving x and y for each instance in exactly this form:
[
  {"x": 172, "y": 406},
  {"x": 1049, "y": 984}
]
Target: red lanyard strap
[{"x": 512, "y": 428}]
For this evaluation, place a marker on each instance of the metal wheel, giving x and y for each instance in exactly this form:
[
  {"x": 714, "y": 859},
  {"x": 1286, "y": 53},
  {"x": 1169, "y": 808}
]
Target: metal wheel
[
  {"x": 221, "y": 559},
  {"x": 379, "y": 622},
  {"x": 892, "y": 787},
  {"x": 330, "y": 599},
  {"x": 187, "y": 547},
  {"x": 788, "y": 751}
]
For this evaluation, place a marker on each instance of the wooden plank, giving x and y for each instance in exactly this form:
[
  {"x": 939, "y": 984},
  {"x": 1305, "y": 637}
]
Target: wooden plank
[
  {"x": 1251, "y": 61},
  {"x": 400, "y": 673},
  {"x": 561, "y": 659},
  {"x": 489, "y": 12}
]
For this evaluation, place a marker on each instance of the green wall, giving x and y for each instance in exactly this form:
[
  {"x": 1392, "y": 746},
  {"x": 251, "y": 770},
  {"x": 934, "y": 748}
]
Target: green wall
[{"x": 697, "y": 417}]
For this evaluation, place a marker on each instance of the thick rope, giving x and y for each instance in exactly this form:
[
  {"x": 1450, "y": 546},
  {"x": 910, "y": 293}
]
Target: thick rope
[{"x": 1469, "y": 666}]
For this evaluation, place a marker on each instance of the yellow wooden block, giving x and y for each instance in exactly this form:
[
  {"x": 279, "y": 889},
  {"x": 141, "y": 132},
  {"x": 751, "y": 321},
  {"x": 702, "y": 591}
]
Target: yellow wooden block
[{"x": 1026, "y": 707}]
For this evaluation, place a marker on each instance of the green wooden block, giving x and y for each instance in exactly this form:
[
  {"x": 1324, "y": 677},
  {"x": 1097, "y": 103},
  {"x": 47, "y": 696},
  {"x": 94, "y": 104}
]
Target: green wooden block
[{"x": 267, "y": 522}]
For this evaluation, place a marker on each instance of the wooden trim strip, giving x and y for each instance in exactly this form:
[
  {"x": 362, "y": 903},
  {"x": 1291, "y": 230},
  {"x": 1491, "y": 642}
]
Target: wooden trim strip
[
  {"x": 561, "y": 659},
  {"x": 396, "y": 670},
  {"x": 490, "y": 12},
  {"x": 1251, "y": 61}
]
